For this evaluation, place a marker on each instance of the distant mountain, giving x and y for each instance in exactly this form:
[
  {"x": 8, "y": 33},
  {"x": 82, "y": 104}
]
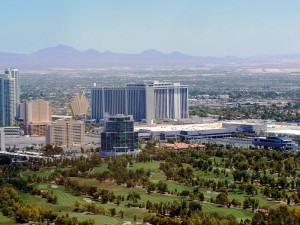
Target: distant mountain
[{"x": 62, "y": 56}]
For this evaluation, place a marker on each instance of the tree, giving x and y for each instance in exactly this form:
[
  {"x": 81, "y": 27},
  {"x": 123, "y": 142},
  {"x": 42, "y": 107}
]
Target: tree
[
  {"x": 251, "y": 203},
  {"x": 5, "y": 160},
  {"x": 112, "y": 212},
  {"x": 201, "y": 197},
  {"x": 250, "y": 189},
  {"x": 162, "y": 187},
  {"x": 222, "y": 199},
  {"x": 150, "y": 187},
  {"x": 77, "y": 203},
  {"x": 133, "y": 196},
  {"x": 193, "y": 206},
  {"x": 121, "y": 214},
  {"x": 283, "y": 182},
  {"x": 235, "y": 202}
]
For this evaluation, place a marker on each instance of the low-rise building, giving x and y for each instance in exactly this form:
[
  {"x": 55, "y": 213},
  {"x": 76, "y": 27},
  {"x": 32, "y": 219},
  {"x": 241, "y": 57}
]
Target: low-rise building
[
  {"x": 277, "y": 143},
  {"x": 245, "y": 127},
  {"x": 37, "y": 128},
  {"x": 12, "y": 131},
  {"x": 24, "y": 156},
  {"x": 65, "y": 132},
  {"x": 186, "y": 132}
]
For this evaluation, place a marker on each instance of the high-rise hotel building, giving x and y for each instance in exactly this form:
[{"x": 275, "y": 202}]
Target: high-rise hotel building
[
  {"x": 7, "y": 103},
  {"x": 65, "y": 132},
  {"x": 36, "y": 115},
  {"x": 79, "y": 106},
  {"x": 14, "y": 73},
  {"x": 146, "y": 101},
  {"x": 9, "y": 96}
]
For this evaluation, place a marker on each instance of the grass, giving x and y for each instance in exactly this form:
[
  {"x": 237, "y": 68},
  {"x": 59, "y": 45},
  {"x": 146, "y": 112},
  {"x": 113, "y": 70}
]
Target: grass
[
  {"x": 45, "y": 172},
  {"x": 237, "y": 213},
  {"x": 100, "y": 169},
  {"x": 99, "y": 219},
  {"x": 6, "y": 220},
  {"x": 172, "y": 185},
  {"x": 241, "y": 197},
  {"x": 87, "y": 181},
  {"x": 66, "y": 199},
  {"x": 157, "y": 177},
  {"x": 65, "y": 204},
  {"x": 153, "y": 166}
]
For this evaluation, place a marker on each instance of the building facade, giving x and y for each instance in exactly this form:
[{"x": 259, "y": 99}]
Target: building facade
[
  {"x": 118, "y": 136},
  {"x": 14, "y": 73},
  {"x": 2, "y": 139},
  {"x": 12, "y": 131},
  {"x": 65, "y": 132},
  {"x": 147, "y": 101},
  {"x": 7, "y": 102},
  {"x": 245, "y": 127},
  {"x": 277, "y": 143},
  {"x": 36, "y": 115},
  {"x": 79, "y": 106}
]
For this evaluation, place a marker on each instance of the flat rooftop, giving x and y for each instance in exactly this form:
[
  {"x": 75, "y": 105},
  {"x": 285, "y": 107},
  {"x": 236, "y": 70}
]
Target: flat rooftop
[
  {"x": 287, "y": 131},
  {"x": 181, "y": 127},
  {"x": 244, "y": 122}
]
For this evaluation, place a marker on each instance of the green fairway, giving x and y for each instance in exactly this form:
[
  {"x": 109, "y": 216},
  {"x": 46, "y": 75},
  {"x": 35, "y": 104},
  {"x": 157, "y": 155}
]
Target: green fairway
[
  {"x": 100, "y": 168},
  {"x": 66, "y": 199},
  {"x": 99, "y": 219},
  {"x": 156, "y": 177},
  {"x": 238, "y": 213},
  {"x": 153, "y": 166},
  {"x": 172, "y": 185},
  {"x": 45, "y": 172},
  {"x": 6, "y": 220},
  {"x": 87, "y": 181}
]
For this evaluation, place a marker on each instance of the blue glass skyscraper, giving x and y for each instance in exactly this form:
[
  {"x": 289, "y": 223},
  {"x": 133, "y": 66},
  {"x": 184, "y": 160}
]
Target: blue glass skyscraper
[
  {"x": 118, "y": 136},
  {"x": 7, "y": 103}
]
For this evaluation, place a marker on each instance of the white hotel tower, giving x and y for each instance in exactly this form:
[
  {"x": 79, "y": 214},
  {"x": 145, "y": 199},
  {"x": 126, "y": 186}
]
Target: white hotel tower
[
  {"x": 14, "y": 73},
  {"x": 146, "y": 101}
]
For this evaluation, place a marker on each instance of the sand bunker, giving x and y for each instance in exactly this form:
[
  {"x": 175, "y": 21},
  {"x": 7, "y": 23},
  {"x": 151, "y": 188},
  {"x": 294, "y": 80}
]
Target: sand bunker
[{"x": 88, "y": 200}]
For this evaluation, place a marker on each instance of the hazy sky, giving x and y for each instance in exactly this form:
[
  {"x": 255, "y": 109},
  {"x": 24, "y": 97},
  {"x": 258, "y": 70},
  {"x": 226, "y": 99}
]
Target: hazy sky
[{"x": 200, "y": 27}]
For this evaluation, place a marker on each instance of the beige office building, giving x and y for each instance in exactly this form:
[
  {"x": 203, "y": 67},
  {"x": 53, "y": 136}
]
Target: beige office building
[
  {"x": 79, "y": 106},
  {"x": 65, "y": 133},
  {"x": 37, "y": 115}
]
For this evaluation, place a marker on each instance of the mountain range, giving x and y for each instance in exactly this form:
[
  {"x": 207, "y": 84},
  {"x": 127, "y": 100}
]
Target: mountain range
[{"x": 62, "y": 56}]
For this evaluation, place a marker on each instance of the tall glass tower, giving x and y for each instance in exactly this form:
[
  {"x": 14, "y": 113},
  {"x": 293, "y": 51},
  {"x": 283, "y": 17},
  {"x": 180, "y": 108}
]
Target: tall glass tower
[
  {"x": 118, "y": 136},
  {"x": 7, "y": 103}
]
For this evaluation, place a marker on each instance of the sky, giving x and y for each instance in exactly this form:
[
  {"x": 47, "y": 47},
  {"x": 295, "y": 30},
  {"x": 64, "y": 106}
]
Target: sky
[{"x": 196, "y": 27}]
